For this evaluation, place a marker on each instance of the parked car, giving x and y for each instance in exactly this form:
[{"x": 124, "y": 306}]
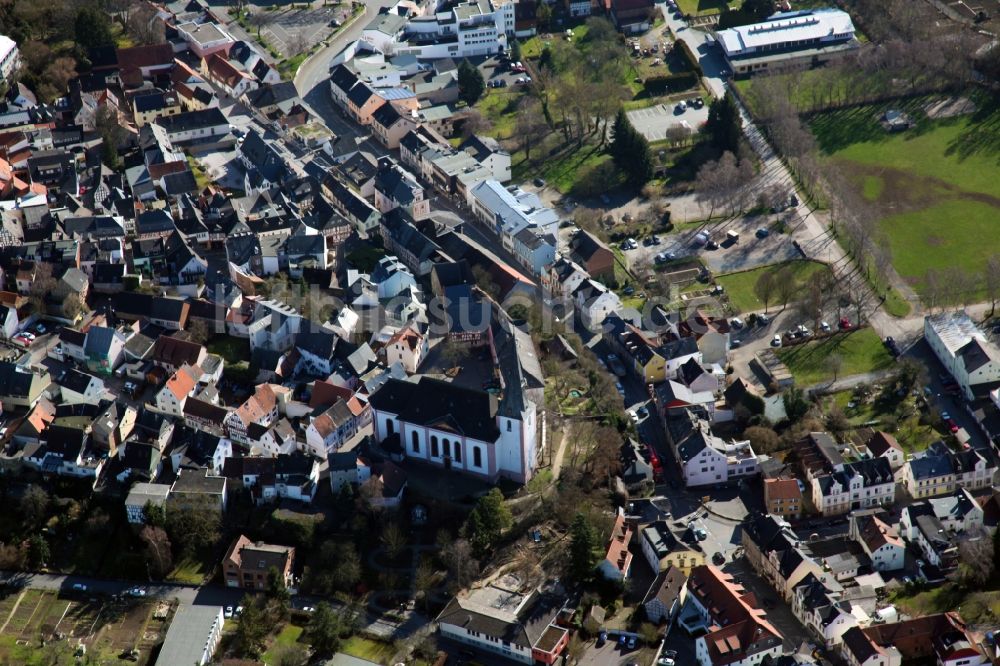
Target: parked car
[
  {"x": 630, "y": 643},
  {"x": 736, "y": 322},
  {"x": 845, "y": 324},
  {"x": 539, "y": 182},
  {"x": 602, "y": 638},
  {"x": 824, "y": 326},
  {"x": 953, "y": 425},
  {"x": 228, "y": 613},
  {"x": 718, "y": 559},
  {"x": 776, "y": 340},
  {"x": 79, "y": 587},
  {"x": 763, "y": 233},
  {"x": 642, "y": 412}
]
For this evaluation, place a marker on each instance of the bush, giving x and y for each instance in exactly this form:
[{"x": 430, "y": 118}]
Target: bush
[{"x": 670, "y": 83}]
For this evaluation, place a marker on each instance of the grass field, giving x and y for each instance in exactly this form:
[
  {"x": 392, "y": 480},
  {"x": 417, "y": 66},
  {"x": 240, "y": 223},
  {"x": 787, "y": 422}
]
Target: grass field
[
  {"x": 290, "y": 634},
  {"x": 366, "y": 648},
  {"x": 934, "y": 186},
  {"x": 860, "y": 351},
  {"x": 740, "y": 286},
  {"x": 911, "y": 434},
  {"x": 706, "y": 7}
]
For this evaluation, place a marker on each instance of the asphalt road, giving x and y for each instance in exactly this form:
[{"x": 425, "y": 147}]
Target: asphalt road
[{"x": 311, "y": 80}]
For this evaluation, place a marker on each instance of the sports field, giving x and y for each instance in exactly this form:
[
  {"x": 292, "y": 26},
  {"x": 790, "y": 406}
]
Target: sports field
[{"x": 935, "y": 187}]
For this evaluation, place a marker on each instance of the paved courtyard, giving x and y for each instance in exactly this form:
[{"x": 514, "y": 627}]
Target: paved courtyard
[{"x": 654, "y": 121}]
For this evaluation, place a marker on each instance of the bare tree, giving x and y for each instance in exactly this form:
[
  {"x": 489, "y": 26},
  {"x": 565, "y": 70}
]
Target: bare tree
[
  {"x": 144, "y": 26},
  {"x": 991, "y": 280},
  {"x": 157, "y": 550},
  {"x": 834, "y": 363},
  {"x": 765, "y": 288},
  {"x": 933, "y": 289},
  {"x": 531, "y": 127},
  {"x": 786, "y": 286},
  {"x": 976, "y": 564},
  {"x": 462, "y": 566},
  {"x": 393, "y": 539}
]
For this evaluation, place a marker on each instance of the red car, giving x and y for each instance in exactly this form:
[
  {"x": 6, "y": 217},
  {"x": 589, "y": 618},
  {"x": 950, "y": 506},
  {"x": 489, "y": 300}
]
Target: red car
[
  {"x": 845, "y": 324},
  {"x": 952, "y": 425}
]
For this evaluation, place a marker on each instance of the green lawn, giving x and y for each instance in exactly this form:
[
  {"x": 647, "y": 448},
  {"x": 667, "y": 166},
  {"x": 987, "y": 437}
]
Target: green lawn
[
  {"x": 740, "y": 286},
  {"x": 499, "y": 106},
  {"x": 583, "y": 171},
  {"x": 290, "y": 634},
  {"x": 366, "y": 648},
  {"x": 190, "y": 572},
  {"x": 909, "y": 432},
  {"x": 933, "y": 186},
  {"x": 706, "y": 7},
  {"x": 860, "y": 351},
  {"x": 232, "y": 350}
]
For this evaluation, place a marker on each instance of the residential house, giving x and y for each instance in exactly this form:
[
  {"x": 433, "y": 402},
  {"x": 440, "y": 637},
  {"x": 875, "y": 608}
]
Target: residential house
[
  {"x": 248, "y": 564},
  {"x": 395, "y": 187},
  {"x": 80, "y": 387},
  {"x": 665, "y": 597},
  {"x": 819, "y": 606},
  {"x": 939, "y": 470},
  {"x": 617, "y": 560},
  {"x": 193, "y": 636},
  {"x": 591, "y": 253},
  {"x": 879, "y": 539},
  {"x": 594, "y": 302},
  {"x": 285, "y": 476},
  {"x": 883, "y": 445},
  {"x": 941, "y": 639},
  {"x": 783, "y": 497},
  {"x": 776, "y": 553},
  {"x": 104, "y": 349},
  {"x": 706, "y": 459},
  {"x": 335, "y": 426},
  {"x": 736, "y": 631},
  {"x": 179, "y": 387},
  {"x": 260, "y": 408},
  {"x": 171, "y": 353},
  {"x": 663, "y": 550},
  {"x": 632, "y": 16},
  {"x": 513, "y": 624},
  {"x": 854, "y": 485},
  {"x": 347, "y": 468},
  {"x": 408, "y": 347}
]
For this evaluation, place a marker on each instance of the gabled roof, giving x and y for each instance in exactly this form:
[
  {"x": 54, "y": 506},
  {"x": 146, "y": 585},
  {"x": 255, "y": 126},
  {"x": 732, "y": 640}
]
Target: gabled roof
[{"x": 440, "y": 405}]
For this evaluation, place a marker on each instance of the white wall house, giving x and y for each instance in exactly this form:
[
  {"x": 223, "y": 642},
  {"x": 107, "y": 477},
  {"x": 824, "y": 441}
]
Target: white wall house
[{"x": 964, "y": 350}]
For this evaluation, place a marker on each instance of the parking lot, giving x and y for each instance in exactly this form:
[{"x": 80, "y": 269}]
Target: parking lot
[
  {"x": 292, "y": 31},
  {"x": 653, "y": 122}
]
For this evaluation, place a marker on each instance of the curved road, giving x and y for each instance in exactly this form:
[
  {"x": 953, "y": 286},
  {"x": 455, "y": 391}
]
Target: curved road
[{"x": 311, "y": 77}]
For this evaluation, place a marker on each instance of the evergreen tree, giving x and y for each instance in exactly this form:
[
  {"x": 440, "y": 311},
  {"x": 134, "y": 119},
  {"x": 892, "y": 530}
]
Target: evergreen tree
[
  {"x": 621, "y": 136},
  {"x": 515, "y": 51},
  {"x": 723, "y": 126},
  {"x": 471, "y": 85},
  {"x": 583, "y": 542},
  {"x": 324, "y": 630},
  {"x": 630, "y": 151},
  {"x": 487, "y": 522},
  {"x": 93, "y": 28}
]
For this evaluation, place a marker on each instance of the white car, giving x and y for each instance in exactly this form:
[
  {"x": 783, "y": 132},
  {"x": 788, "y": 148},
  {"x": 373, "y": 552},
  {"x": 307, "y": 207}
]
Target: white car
[
  {"x": 776, "y": 340},
  {"x": 228, "y": 613},
  {"x": 632, "y": 415},
  {"x": 825, "y": 327}
]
